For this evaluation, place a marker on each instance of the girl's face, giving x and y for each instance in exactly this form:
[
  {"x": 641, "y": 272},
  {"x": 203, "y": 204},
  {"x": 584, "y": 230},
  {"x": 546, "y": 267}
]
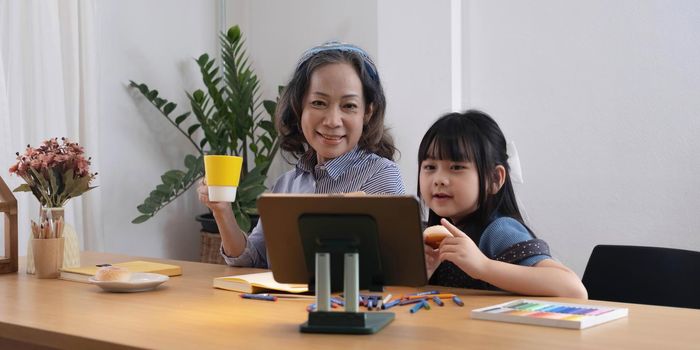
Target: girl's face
[
  {"x": 334, "y": 111},
  {"x": 449, "y": 188}
]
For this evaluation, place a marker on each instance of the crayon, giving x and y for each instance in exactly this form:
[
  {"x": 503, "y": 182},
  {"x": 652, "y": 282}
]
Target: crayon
[
  {"x": 259, "y": 297},
  {"x": 457, "y": 300},
  {"x": 411, "y": 297},
  {"x": 423, "y": 293},
  {"x": 438, "y": 301},
  {"x": 311, "y": 307},
  {"x": 418, "y": 306},
  {"x": 386, "y": 299},
  {"x": 391, "y": 304},
  {"x": 411, "y": 301}
]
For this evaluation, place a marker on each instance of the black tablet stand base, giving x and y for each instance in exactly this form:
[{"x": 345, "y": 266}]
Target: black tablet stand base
[{"x": 346, "y": 322}]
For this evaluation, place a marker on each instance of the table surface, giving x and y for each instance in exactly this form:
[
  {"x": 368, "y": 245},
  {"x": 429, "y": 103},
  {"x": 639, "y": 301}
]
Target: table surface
[{"x": 186, "y": 312}]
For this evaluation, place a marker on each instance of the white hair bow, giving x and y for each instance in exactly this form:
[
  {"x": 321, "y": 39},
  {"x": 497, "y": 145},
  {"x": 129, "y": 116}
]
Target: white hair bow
[{"x": 516, "y": 172}]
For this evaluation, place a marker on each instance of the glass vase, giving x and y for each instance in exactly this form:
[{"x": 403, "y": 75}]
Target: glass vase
[{"x": 71, "y": 248}]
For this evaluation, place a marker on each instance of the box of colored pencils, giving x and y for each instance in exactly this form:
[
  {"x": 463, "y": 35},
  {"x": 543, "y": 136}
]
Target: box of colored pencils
[{"x": 552, "y": 314}]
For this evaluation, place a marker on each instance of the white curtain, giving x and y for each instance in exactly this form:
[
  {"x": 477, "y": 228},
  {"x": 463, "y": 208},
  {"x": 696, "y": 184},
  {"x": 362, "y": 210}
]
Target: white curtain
[{"x": 48, "y": 88}]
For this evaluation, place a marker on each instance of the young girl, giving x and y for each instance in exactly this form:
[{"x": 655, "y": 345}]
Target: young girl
[
  {"x": 330, "y": 118},
  {"x": 464, "y": 180}
]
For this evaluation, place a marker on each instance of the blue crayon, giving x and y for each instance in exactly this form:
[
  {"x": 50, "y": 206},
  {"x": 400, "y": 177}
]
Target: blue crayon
[
  {"x": 457, "y": 300},
  {"x": 418, "y": 306},
  {"x": 338, "y": 301},
  {"x": 406, "y": 302},
  {"x": 424, "y": 293},
  {"x": 438, "y": 301},
  {"x": 259, "y": 297},
  {"x": 391, "y": 304}
]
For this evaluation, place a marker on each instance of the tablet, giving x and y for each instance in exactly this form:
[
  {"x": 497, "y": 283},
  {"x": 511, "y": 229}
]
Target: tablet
[{"x": 384, "y": 230}]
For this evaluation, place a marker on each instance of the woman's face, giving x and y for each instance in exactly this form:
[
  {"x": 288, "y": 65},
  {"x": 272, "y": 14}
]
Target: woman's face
[{"x": 334, "y": 111}]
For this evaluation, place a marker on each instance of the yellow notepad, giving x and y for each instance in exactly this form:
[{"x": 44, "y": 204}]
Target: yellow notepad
[
  {"x": 257, "y": 282},
  {"x": 83, "y": 273}
]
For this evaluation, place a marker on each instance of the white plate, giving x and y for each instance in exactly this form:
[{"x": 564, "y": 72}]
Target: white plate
[{"x": 139, "y": 282}]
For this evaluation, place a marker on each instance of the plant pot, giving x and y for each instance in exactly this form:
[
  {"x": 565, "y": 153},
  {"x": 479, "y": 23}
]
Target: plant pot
[{"x": 209, "y": 223}]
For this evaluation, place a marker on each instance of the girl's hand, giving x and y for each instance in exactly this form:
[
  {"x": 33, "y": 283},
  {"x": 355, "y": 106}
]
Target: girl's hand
[
  {"x": 203, "y": 192},
  {"x": 432, "y": 259},
  {"x": 462, "y": 251}
]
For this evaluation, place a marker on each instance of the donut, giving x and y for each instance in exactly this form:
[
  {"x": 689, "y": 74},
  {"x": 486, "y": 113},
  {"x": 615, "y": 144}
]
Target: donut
[{"x": 433, "y": 235}]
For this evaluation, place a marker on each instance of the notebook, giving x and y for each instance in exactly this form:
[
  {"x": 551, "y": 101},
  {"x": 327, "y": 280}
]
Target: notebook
[
  {"x": 257, "y": 282},
  {"x": 81, "y": 274},
  {"x": 544, "y": 313}
]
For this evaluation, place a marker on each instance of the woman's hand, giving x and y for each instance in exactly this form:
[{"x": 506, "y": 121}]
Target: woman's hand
[
  {"x": 462, "y": 251},
  {"x": 203, "y": 192}
]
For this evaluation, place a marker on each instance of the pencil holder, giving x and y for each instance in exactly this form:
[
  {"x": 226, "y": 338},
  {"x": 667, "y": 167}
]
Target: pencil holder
[{"x": 48, "y": 256}]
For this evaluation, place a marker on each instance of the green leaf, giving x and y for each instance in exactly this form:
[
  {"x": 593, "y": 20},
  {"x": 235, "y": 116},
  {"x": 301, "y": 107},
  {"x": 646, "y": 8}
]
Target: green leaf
[
  {"x": 192, "y": 129},
  {"x": 22, "y": 188},
  {"x": 202, "y": 60},
  {"x": 234, "y": 34},
  {"x": 190, "y": 161},
  {"x": 242, "y": 219},
  {"x": 156, "y": 196},
  {"x": 146, "y": 209},
  {"x": 181, "y": 118},
  {"x": 152, "y": 95},
  {"x": 169, "y": 108},
  {"x": 270, "y": 106},
  {"x": 250, "y": 210},
  {"x": 170, "y": 180},
  {"x": 198, "y": 96},
  {"x": 165, "y": 189},
  {"x": 178, "y": 174},
  {"x": 141, "y": 219},
  {"x": 81, "y": 186},
  {"x": 159, "y": 102},
  {"x": 267, "y": 126},
  {"x": 143, "y": 88},
  {"x": 150, "y": 202},
  {"x": 266, "y": 141},
  {"x": 251, "y": 193}
]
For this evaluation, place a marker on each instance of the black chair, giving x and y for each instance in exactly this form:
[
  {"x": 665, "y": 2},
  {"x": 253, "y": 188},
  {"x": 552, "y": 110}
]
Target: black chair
[{"x": 644, "y": 275}]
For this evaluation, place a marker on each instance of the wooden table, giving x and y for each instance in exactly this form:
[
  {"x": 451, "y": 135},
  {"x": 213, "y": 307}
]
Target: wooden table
[{"x": 187, "y": 313}]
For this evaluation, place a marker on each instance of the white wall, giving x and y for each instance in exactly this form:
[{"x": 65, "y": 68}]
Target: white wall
[
  {"x": 601, "y": 98},
  {"x": 153, "y": 42}
]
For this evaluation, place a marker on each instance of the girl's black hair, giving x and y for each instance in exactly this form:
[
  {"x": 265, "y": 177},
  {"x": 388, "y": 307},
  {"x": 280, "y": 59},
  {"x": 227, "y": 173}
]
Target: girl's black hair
[
  {"x": 473, "y": 136},
  {"x": 375, "y": 137}
]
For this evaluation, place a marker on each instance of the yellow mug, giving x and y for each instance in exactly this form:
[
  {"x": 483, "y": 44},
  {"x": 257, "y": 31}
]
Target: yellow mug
[{"x": 223, "y": 174}]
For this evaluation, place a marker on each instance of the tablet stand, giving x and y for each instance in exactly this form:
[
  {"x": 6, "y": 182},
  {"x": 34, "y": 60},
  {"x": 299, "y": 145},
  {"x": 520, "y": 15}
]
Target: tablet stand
[{"x": 350, "y": 321}]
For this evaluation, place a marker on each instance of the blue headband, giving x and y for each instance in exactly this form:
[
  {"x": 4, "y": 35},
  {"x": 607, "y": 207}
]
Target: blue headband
[{"x": 339, "y": 46}]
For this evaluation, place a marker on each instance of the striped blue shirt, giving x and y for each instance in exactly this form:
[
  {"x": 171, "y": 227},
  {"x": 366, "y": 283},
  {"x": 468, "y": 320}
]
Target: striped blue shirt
[{"x": 357, "y": 170}]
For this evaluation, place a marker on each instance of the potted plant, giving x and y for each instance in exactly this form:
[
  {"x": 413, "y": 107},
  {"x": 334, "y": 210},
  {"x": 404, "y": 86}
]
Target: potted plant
[{"x": 228, "y": 114}]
